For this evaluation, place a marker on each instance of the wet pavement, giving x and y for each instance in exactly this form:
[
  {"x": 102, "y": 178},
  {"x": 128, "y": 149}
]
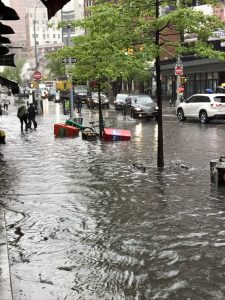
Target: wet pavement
[{"x": 84, "y": 221}]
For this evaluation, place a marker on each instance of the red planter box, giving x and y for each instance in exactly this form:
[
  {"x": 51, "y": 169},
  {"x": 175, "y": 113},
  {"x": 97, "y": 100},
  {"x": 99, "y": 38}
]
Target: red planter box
[
  {"x": 65, "y": 130},
  {"x": 115, "y": 134},
  {"x": 71, "y": 131},
  {"x": 58, "y": 129}
]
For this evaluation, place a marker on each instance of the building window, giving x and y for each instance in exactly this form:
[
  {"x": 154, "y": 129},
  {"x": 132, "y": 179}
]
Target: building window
[
  {"x": 53, "y": 36},
  {"x": 43, "y": 36}
]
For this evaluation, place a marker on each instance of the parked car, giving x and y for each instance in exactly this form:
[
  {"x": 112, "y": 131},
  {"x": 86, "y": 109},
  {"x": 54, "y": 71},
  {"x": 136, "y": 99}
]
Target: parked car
[
  {"x": 204, "y": 107},
  {"x": 119, "y": 101},
  {"x": 140, "y": 106},
  {"x": 93, "y": 100},
  {"x": 81, "y": 93}
]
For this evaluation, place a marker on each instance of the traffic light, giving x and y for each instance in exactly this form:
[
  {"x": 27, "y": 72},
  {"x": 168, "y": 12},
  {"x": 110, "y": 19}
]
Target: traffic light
[
  {"x": 130, "y": 51},
  {"x": 183, "y": 79}
]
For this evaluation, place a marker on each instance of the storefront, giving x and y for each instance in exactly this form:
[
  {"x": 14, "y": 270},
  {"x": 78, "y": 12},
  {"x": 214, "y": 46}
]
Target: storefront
[{"x": 198, "y": 75}]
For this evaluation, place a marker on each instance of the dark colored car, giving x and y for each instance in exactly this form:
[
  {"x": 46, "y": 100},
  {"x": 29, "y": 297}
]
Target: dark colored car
[
  {"x": 81, "y": 93},
  {"x": 93, "y": 100},
  {"x": 119, "y": 101},
  {"x": 140, "y": 106}
]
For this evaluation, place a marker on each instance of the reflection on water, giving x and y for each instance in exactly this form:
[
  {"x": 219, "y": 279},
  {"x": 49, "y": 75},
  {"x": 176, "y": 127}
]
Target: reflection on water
[{"x": 95, "y": 227}]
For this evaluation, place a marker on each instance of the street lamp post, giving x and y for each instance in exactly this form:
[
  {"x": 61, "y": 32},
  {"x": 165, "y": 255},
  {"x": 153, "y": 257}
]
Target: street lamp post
[
  {"x": 35, "y": 38},
  {"x": 36, "y": 95}
]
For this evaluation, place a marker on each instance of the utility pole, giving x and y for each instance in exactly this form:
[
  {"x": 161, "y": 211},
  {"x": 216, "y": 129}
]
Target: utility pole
[
  {"x": 35, "y": 38},
  {"x": 70, "y": 78}
]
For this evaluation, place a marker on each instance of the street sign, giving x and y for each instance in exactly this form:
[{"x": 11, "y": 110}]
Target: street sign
[
  {"x": 69, "y": 60},
  {"x": 178, "y": 70},
  {"x": 37, "y": 75}
]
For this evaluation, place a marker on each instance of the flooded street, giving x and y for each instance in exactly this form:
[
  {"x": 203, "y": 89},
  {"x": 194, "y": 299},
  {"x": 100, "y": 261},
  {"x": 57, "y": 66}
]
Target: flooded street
[{"x": 85, "y": 222}]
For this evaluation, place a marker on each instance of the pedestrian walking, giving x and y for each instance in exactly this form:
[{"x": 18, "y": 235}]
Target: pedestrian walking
[
  {"x": 31, "y": 113},
  {"x": 5, "y": 103},
  {"x": 22, "y": 115}
]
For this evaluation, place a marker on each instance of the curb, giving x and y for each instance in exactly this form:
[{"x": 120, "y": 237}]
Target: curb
[{"x": 5, "y": 279}]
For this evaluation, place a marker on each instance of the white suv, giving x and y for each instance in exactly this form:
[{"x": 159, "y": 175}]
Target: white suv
[{"x": 204, "y": 107}]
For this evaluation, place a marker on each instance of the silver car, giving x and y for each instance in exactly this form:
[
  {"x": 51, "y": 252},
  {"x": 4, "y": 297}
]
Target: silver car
[
  {"x": 93, "y": 100},
  {"x": 120, "y": 99},
  {"x": 140, "y": 106}
]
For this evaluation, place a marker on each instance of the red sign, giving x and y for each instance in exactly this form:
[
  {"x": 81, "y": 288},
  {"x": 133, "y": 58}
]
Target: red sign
[
  {"x": 178, "y": 70},
  {"x": 37, "y": 75}
]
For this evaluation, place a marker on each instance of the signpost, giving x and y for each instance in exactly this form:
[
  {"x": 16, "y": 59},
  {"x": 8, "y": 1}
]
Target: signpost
[
  {"x": 69, "y": 61},
  {"x": 178, "y": 72},
  {"x": 37, "y": 75}
]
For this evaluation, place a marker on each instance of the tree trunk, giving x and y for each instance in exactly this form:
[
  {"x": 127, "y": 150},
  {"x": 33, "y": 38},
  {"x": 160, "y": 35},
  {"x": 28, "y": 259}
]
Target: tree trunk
[{"x": 160, "y": 158}]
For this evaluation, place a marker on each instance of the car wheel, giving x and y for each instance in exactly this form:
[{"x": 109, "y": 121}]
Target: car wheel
[
  {"x": 203, "y": 117},
  {"x": 180, "y": 115}
]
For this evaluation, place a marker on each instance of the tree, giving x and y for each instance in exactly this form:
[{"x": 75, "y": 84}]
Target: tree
[
  {"x": 55, "y": 65},
  {"x": 147, "y": 27}
]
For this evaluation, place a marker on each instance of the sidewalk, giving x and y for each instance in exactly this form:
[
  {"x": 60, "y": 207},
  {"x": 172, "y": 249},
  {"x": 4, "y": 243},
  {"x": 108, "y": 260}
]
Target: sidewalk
[{"x": 5, "y": 281}]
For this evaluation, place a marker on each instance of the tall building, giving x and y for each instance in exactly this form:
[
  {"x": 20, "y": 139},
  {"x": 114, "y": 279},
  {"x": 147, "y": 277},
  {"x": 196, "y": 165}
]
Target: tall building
[
  {"x": 18, "y": 40},
  {"x": 42, "y": 36},
  {"x": 73, "y": 10}
]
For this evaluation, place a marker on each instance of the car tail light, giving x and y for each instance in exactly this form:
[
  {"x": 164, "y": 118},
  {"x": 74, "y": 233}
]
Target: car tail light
[{"x": 215, "y": 105}]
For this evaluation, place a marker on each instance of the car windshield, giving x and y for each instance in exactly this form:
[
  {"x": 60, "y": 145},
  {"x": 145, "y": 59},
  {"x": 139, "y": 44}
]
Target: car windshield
[
  {"x": 80, "y": 90},
  {"x": 143, "y": 100},
  {"x": 95, "y": 95},
  {"x": 220, "y": 99},
  {"x": 121, "y": 97}
]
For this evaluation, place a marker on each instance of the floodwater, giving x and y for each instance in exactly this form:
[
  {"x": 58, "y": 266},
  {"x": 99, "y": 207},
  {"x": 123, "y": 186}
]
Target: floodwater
[{"x": 84, "y": 221}]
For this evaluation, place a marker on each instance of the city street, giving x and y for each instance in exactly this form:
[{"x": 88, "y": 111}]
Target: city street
[{"x": 95, "y": 220}]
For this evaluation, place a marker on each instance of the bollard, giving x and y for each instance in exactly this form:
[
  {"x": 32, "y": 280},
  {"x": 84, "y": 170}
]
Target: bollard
[
  {"x": 217, "y": 171},
  {"x": 2, "y": 137},
  {"x": 213, "y": 170}
]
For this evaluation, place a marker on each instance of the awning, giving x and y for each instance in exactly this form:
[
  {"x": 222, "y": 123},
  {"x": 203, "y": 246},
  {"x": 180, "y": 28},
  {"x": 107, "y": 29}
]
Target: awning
[
  {"x": 4, "y": 40},
  {"x": 53, "y": 6},
  {"x": 10, "y": 84},
  {"x": 7, "y": 13},
  {"x": 3, "y": 50},
  {"x": 7, "y": 60},
  {"x": 4, "y": 29}
]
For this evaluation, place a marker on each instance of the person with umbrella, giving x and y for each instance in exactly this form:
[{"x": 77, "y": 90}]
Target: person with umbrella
[{"x": 31, "y": 116}]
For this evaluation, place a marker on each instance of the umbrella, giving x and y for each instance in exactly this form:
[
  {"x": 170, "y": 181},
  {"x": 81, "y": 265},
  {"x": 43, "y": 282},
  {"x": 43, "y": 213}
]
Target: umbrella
[
  {"x": 180, "y": 89},
  {"x": 209, "y": 91},
  {"x": 4, "y": 29},
  {"x": 7, "y": 13}
]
